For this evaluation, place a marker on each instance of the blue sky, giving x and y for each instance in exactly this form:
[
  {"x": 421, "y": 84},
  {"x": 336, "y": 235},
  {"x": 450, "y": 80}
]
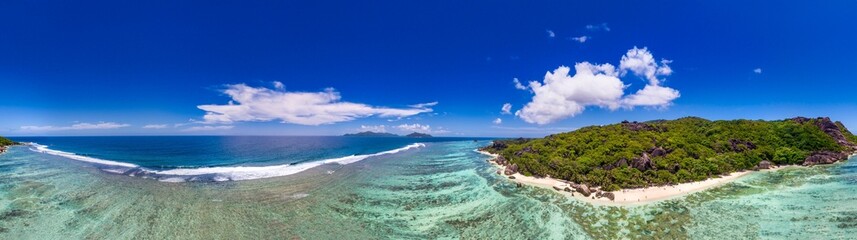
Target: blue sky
[{"x": 167, "y": 68}]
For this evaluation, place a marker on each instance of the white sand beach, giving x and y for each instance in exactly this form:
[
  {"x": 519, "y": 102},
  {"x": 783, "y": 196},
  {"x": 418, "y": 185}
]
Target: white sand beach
[{"x": 628, "y": 197}]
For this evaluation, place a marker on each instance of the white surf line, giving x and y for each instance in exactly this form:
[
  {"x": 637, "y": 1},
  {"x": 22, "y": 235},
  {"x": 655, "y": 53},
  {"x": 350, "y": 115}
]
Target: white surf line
[{"x": 235, "y": 173}]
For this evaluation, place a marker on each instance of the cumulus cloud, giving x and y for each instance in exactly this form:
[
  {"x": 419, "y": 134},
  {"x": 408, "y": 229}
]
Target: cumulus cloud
[
  {"x": 78, "y": 126},
  {"x": 506, "y": 109},
  {"x": 598, "y": 27},
  {"x": 304, "y": 108},
  {"x": 562, "y": 95},
  {"x": 641, "y": 62},
  {"x": 518, "y": 84},
  {"x": 373, "y": 128},
  {"x": 155, "y": 126},
  {"x": 207, "y": 128},
  {"x": 551, "y": 33},
  {"x": 498, "y": 121},
  {"x": 651, "y": 96},
  {"x": 279, "y": 85},
  {"x": 757, "y": 71},
  {"x": 581, "y": 39},
  {"x": 414, "y": 127}
]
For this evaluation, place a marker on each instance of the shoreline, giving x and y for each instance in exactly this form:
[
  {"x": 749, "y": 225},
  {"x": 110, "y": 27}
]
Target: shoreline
[{"x": 626, "y": 197}]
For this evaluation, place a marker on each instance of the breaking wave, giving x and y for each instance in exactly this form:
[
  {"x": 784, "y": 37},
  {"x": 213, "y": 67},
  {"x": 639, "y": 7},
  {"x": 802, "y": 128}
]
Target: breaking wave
[{"x": 217, "y": 174}]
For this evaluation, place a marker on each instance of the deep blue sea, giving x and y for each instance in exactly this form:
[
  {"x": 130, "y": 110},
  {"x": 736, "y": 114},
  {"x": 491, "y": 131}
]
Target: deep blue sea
[{"x": 220, "y": 158}]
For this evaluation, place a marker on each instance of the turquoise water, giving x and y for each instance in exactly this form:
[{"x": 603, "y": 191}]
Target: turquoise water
[{"x": 441, "y": 190}]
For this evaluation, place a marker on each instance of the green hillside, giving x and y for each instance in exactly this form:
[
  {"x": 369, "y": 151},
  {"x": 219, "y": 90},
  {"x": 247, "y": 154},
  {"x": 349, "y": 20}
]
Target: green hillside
[
  {"x": 631, "y": 154},
  {"x": 6, "y": 142}
]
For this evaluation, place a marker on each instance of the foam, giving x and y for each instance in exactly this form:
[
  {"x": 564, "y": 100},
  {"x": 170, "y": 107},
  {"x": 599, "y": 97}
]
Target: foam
[
  {"x": 44, "y": 149},
  {"x": 114, "y": 171},
  {"x": 217, "y": 174},
  {"x": 172, "y": 179},
  {"x": 248, "y": 173}
]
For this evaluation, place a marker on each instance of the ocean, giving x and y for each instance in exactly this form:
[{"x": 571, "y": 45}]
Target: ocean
[{"x": 371, "y": 188}]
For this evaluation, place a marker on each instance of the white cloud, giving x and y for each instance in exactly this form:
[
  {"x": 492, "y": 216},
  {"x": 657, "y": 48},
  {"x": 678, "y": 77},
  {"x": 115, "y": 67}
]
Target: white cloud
[
  {"x": 518, "y": 84},
  {"x": 506, "y": 109},
  {"x": 551, "y": 33},
  {"x": 304, "y": 108},
  {"x": 415, "y": 127},
  {"x": 598, "y": 27},
  {"x": 498, "y": 121},
  {"x": 536, "y": 129},
  {"x": 423, "y": 105},
  {"x": 78, "y": 126},
  {"x": 581, "y": 39},
  {"x": 279, "y": 85},
  {"x": 375, "y": 128},
  {"x": 642, "y": 63},
  {"x": 155, "y": 126},
  {"x": 562, "y": 95},
  {"x": 208, "y": 128},
  {"x": 652, "y": 96},
  {"x": 757, "y": 71}
]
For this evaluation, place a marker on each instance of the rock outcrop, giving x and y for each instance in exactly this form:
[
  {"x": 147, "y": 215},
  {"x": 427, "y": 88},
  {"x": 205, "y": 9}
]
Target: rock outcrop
[
  {"x": 636, "y": 126},
  {"x": 496, "y": 145},
  {"x": 658, "y": 151},
  {"x": 830, "y": 128},
  {"x": 501, "y": 160},
  {"x": 511, "y": 169},
  {"x": 642, "y": 163},
  {"x": 583, "y": 189},
  {"x": 764, "y": 165},
  {"x": 738, "y": 145},
  {"x": 526, "y": 149},
  {"x": 824, "y": 157},
  {"x": 608, "y": 195}
]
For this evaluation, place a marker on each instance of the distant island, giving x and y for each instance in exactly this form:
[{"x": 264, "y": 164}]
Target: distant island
[
  {"x": 384, "y": 134},
  {"x": 370, "y": 134},
  {"x": 418, "y": 135},
  {"x": 668, "y": 152}
]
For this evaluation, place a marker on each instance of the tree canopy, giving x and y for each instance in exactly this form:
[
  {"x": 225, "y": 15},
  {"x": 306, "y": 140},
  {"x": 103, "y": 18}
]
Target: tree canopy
[
  {"x": 6, "y": 142},
  {"x": 632, "y": 154}
]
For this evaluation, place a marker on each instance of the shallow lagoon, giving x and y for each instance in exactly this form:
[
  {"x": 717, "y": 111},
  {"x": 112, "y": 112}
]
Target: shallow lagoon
[{"x": 443, "y": 190}]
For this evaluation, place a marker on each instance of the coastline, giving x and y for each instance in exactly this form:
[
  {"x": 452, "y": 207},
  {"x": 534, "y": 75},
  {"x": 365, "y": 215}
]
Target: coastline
[{"x": 626, "y": 197}]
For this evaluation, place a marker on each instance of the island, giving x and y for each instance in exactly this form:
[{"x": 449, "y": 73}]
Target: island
[
  {"x": 418, "y": 135},
  {"x": 370, "y": 134},
  {"x": 5, "y": 143},
  {"x": 685, "y": 154}
]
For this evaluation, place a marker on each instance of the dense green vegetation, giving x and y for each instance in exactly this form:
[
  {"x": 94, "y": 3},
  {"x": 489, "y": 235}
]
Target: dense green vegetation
[
  {"x": 6, "y": 142},
  {"x": 631, "y": 155}
]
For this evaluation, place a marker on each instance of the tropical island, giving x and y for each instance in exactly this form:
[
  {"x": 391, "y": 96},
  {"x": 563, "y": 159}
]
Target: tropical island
[
  {"x": 384, "y": 134},
  {"x": 4, "y": 143},
  {"x": 634, "y": 155},
  {"x": 370, "y": 134},
  {"x": 418, "y": 135}
]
